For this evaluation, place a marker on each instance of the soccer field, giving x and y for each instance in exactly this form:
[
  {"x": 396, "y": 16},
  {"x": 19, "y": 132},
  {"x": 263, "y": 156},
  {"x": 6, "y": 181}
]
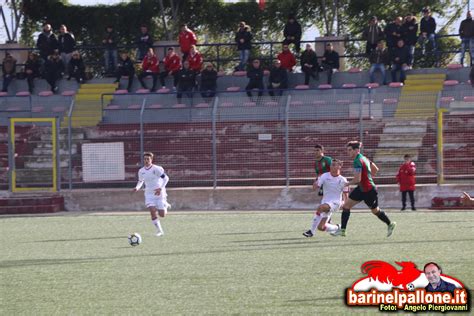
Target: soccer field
[{"x": 212, "y": 263}]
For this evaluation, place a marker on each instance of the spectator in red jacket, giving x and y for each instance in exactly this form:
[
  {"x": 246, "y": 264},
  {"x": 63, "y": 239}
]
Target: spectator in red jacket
[
  {"x": 186, "y": 39},
  {"x": 150, "y": 67},
  {"x": 195, "y": 59},
  {"x": 406, "y": 181},
  {"x": 172, "y": 64},
  {"x": 288, "y": 60}
]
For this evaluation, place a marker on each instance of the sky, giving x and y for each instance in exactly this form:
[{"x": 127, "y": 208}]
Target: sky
[{"x": 309, "y": 34}]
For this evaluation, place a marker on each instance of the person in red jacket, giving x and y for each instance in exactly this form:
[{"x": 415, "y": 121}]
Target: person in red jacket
[
  {"x": 150, "y": 67},
  {"x": 186, "y": 39},
  {"x": 288, "y": 60},
  {"x": 172, "y": 64},
  {"x": 195, "y": 59},
  {"x": 406, "y": 181}
]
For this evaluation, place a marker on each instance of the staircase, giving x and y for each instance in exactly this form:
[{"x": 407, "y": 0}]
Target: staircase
[
  {"x": 31, "y": 204},
  {"x": 418, "y": 96},
  {"x": 404, "y": 134},
  {"x": 88, "y": 108}
]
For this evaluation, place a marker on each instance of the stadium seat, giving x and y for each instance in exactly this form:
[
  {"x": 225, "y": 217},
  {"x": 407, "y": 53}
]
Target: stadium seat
[
  {"x": 395, "y": 84},
  {"x": 454, "y": 66},
  {"x": 226, "y": 104},
  {"x": 297, "y": 103},
  {"x": 249, "y": 104},
  {"x": 319, "y": 102},
  {"x": 240, "y": 73},
  {"x": 14, "y": 108},
  {"x": 59, "y": 109},
  {"x": 446, "y": 100},
  {"x": 302, "y": 87},
  {"x": 354, "y": 70},
  {"x": 70, "y": 93},
  {"x": 325, "y": 86},
  {"x": 155, "y": 106},
  {"x": 221, "y": 73},
  {"x": 372, "y": 85},
  {"x": 271, "y": 103},
  {"x": 343, "y": 102},
  {"x": 112, "y": 107},
  {"x": 134, "y": 107},
  {"x": 46, "y": 93},
  {"x": 3, "y": 94},
  {"x": 390, "y": 101},
  {"x": 349, "y": 85},
  {"x": 179, "y": 106},
  {"x": 233, "y": 89},
  {"x": 23, "y": 94},
  {"x": 468, "y": 99},
  {"x": 448, "y": 83},
  {"x": 143, "y": 91},
  {"x": 37, "y": 109},
  {"x": 121, "y": 91},
  {"x": 163, "y": 90},
  {"x": 202, "y": 105}
]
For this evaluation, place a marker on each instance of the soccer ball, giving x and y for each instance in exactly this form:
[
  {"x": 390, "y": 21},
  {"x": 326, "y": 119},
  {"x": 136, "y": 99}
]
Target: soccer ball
[
  {"x": 410, "y": 287},
  {"x": 135, "y": 239}
]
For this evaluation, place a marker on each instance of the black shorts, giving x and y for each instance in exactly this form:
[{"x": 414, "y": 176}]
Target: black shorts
[{"x": 370, "y": 198}]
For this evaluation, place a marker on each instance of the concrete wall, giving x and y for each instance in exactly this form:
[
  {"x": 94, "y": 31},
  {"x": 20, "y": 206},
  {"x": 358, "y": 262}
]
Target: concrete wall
[{"x": 240, "y": 198}]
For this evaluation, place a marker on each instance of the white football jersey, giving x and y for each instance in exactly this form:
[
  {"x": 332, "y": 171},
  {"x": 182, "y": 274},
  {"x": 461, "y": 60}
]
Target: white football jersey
[
  {"x": 333, "y": 187},
  {"x": 153, "y": 177}
]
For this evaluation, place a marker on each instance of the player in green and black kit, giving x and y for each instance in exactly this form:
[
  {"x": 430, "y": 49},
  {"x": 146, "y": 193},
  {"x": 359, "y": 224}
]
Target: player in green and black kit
[
  {"x": 321, "y": 165},
  {"x": 365, "y": 190}
]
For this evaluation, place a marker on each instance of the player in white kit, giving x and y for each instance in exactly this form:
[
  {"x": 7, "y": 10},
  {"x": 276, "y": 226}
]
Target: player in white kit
[
  {"x": 155, "y": 180},
  {"x": 335, "y": 193}
]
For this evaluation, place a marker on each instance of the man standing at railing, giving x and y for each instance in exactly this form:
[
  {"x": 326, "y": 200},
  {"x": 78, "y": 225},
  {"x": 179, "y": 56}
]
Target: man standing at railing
[
  {"x": 243, "y": 38},
  {"x": 144, "y": 42},
  {"x": 292, "y": 33},
  {"x": 409, "y": 35},
  {"x": 110, "y": 50},
  {"x": 372, "y": 34},
  {"x": 47, "y": 42},
  {"x": 466, "y": 32},
  {"x": 393, "y": 33},
  {"x": 66, "y": 44},
  {"x": 427, "y": 30},
  {"x": 186, "y": 39}
]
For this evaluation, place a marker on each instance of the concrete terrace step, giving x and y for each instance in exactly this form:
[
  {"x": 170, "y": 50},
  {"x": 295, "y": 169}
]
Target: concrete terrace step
[
  {"x": 98, "y": 85},
  {"x": 31, "y": 209}
]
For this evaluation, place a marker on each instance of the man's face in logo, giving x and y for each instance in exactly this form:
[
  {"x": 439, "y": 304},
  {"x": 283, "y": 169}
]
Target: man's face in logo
[{"x": 432, "y": 274}]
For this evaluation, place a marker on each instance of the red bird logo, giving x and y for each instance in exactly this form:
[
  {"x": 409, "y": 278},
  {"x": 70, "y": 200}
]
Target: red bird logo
[{"x": 386, "y": 273}]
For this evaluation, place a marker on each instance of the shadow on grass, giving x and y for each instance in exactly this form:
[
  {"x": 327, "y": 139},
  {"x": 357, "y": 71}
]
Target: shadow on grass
[
  {"x": 240, "y": 248},
  {"x": 77, "y": 239},
  {"x": 256, "y": 233}
]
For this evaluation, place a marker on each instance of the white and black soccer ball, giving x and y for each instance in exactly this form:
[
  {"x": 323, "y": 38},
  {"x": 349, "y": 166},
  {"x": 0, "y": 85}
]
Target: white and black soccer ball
[
  {"x": 411, "y": 287},
  {"x": 135, "y": 239}
]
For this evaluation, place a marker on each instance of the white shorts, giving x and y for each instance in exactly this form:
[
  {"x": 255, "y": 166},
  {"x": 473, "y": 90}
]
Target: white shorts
[
  {"x": 334, "y": 206},
  {"x": 157, "y": 201}
]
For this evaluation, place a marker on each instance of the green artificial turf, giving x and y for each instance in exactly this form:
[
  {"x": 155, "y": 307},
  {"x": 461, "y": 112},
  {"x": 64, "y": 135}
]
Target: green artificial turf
[{"x": 212, "y": 263}]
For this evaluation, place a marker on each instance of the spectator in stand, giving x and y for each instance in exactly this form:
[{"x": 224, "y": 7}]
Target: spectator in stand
[
  {"x": 186, "y": 39},
  {"x": 292, "y": 33},
  {"x": 243, "y": 38},
  {"x": 32, "y": 70},
  {"x": 409, "y": 35},
  {"x": 144, "y": 42},
  {"x": 195, "y": 59},
  {"x": 110, "y": 50},
  {"x": 466, "y": 32},
  {"x": 330, "y": 61},
  {"x": 255, "y": 75},
  {"x": 208, "y": 81},
  {"x": 378, "y": 59},
  {"x": 125, "y": 67},
  {"x": 400, "y": 58},
  {"x": 393, "y": 32},
  {"x": 8, "y": 70},
  {"x": 53, "y": 68},
  {"x": 427, "y": 30},
  {"x": 406, "y": 180},
  {"x": 47, "y": 42},
  {"x": 172, "y": 64},
  {"x": 278, "y": 79},
  {"x": 66, "y": 44},
  {"x": 309, "y": 64},
  {"x": 287, "y": 59},
  {"x": 150, "y": 67},
  {"x": 372, "y": 34},
  {"x": 186, "y": 81},
  {"x": 77, "y": 69}
]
